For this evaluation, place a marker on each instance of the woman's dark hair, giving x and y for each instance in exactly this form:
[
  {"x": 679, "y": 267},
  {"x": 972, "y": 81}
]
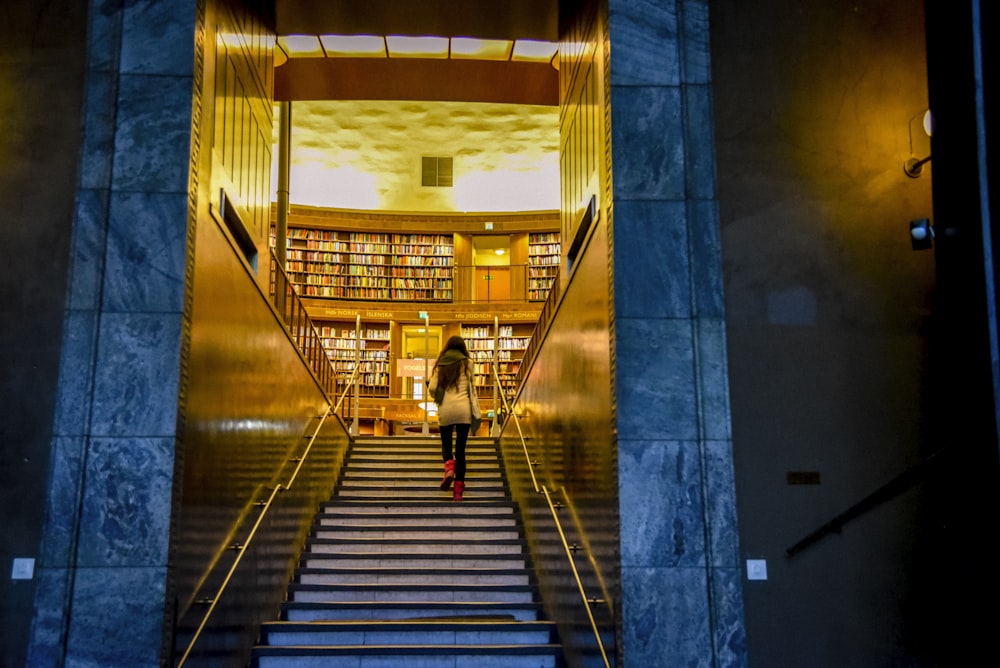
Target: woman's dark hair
[{"x": 448, "y": 373}]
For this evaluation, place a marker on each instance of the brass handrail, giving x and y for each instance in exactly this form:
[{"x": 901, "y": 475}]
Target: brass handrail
[
  {"x": 304, "y": 333},
  {"x": 242, "y": 549},
  {"x": 508, "y": 409}
]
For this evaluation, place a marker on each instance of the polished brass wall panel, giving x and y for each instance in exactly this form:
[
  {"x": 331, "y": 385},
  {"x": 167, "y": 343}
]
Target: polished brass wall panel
[
  {"x": 564, "y": 413},
  {"x": 248, "y": 399},
  {"x": 566, "y": 406}
]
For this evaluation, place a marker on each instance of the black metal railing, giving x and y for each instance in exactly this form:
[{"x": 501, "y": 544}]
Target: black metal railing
[{"x": 293, "y": 313}]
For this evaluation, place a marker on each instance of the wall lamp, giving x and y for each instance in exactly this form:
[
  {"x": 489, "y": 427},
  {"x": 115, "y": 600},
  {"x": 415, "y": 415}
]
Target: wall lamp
[
  {"x": 914, "y": 166},
  {"x": 921, "y": 234}
]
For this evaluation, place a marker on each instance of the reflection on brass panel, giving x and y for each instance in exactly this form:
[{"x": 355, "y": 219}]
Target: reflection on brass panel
[{"x": 564, "y": 410}]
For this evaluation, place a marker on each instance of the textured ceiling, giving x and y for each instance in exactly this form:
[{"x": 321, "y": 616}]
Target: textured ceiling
[{"x": 359, "y": 128}]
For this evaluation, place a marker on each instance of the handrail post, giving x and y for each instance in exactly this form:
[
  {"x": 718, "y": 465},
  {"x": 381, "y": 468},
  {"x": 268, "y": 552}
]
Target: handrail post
[
  {"x": 356, "y": 422},
  {"x": 497, "y": 385},
  {"x": 426, "y": 428}
]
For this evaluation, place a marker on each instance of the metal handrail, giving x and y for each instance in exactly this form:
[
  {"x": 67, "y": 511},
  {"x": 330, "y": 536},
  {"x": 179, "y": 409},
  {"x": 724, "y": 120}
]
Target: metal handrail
[
  {"x": 304, "y": 334},
  {"x": 243, "y": 548},
  {"x": 288, "y": 303},
  {"x": 508, "y": 409}
]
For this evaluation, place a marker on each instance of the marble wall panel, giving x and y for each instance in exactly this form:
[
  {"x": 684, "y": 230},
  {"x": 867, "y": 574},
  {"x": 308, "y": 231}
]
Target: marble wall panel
[
  {"x": 147, "y": 27},
  {"x": 663, "y": 509},
  {"x": 111, "y": 625},
  {"x": 146, "y": 252},
  {"x": 652, "y": 260},
  {"x": 655, "y": 381},
  {"x": 153, "y": 134},
  {"x": 647, "y": 143},
  {"x": 126, "y": 506},
  {"x": 62, "y": 506},
  {"x": 136, "y": 382},
  {"x": 645, "y": 35},
  {"x": 667, "y": 617},
  {"x": 704, "y": 254}
]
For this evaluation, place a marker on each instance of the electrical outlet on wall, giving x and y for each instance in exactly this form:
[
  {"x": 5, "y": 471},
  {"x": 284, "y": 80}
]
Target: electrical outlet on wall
[
  {"x": 756, "y": 569},
  {"x": 23, "y": 568}
]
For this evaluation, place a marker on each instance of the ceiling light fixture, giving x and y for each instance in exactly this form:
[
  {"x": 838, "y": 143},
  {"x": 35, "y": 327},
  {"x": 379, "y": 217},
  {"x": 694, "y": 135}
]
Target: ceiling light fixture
[
  {"x": 354, "y": 46},
  {"x": 914, "y": 166},
  {"x": 401, "y": 46},
  {"x": 481, "y": 49},
  {"x": 534, "y": 51},
  {"x": 301, "y": 46}
]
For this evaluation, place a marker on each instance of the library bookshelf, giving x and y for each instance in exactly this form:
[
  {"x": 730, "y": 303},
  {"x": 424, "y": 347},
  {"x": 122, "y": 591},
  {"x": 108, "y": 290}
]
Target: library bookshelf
[
  {"x": 371, "y": 350},
  {"x": 363, "y": 278},
  {"x": 369, "y": 265},
  {"x": 544, "y": 258},
  {"x": 506, "y": 351}
]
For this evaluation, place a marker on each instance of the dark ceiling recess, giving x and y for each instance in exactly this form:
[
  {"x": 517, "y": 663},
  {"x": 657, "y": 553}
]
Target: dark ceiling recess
[
  {"x": 419, "y": 79},
  {"x": 486, "y": 19},
  {"x": 416, "y": 79}
]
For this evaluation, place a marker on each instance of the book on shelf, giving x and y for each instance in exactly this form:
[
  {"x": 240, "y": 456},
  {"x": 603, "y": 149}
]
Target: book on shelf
[{"x": 371, "y": 266}]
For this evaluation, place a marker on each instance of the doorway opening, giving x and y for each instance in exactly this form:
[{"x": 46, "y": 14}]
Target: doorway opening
[{"x": 419, "y": 343}]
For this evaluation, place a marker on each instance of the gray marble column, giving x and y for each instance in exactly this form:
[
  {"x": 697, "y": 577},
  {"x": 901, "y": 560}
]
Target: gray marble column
[
  {"x": 681, "y": 577},
  {"x": 103, "y": 562}
]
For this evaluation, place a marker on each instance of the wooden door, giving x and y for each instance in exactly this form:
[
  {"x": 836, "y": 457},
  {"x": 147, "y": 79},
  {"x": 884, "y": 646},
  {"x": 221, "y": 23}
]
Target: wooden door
[{"x": 493, "y": 284}]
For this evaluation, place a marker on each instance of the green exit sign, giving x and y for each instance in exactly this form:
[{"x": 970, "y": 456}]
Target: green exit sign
[{"x": 423, "y": 315}]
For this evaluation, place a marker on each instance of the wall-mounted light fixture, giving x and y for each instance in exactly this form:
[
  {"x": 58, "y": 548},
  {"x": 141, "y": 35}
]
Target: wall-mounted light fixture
[
  {"x": 914, "y": 166},
  {"x": 921, "y": 234}
]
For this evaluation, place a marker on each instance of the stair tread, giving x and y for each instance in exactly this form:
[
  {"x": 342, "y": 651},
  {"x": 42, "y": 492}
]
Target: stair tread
[
  {"x": 410, "y": 649},
  {"x": 458, "y": 570},
  {"x": 478, "y": 606},
  {"x": 340, "y": 586},
  {"x": 422, "y": 624}
]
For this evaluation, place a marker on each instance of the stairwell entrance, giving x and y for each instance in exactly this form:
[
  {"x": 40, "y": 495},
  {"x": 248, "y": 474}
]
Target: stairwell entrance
[{"x": 396, "y": 574}]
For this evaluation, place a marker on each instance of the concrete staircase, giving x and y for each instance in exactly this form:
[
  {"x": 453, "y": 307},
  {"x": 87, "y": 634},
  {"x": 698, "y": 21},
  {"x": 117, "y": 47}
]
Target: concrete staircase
[{"x": 397, "y": 574}]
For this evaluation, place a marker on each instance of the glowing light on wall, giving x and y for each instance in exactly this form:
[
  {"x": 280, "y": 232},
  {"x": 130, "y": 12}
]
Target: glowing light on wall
[
  {"x": 301, "y": 45},
  {"x": 315, "y": 184},
  {"x": 534, "y": 51},
  {"x": 481, "y": 49},
  {"x": 417, "y": 47},
  {"x": 353, "y": 46},
  {"x": 534, "y": 190}
]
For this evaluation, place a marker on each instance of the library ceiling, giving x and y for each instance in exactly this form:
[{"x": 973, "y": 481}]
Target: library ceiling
[
  {"x": 367, "y": 155},
  {"x": 364, "y": 123}
]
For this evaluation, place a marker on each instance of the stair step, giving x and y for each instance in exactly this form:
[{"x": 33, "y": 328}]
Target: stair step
[
  {"x": 395, "y": 574},
  {"x": 491, "y": 548},
  {"x": 413, "y": 576},
  {"x": 486, "y": 630},
  {"x": 384, "y": 522},
  {"x": 427, "y": 535},
  {"x": 342, "y": 560},
  {"x": 367, "y": 609},
  {"x": 411, "y": 593},
  {"x": 416, "y": 492},
  {"x": 396, "y": 508},
  {"x": 410, "y": 656}
]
